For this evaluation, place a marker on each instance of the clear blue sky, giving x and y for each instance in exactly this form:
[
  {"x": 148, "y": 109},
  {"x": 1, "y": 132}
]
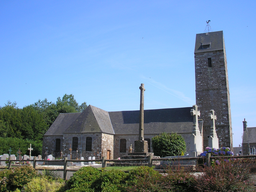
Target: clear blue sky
[{"x": 101, "y": 51}]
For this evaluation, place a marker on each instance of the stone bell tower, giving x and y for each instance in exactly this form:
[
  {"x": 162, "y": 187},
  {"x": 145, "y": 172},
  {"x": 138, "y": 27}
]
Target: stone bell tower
[{"x": 212, "y": 87}]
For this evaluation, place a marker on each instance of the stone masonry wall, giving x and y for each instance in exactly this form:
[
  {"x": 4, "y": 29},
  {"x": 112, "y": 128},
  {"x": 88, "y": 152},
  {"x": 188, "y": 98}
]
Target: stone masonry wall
[
  {"x": 130, "y": 139},
  {"x": 107, "y": 145},
  {"x": 212, "y": 92},
  {"x": 66, "y": 144}
]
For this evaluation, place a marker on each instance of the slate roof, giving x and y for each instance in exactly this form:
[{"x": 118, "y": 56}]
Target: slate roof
[
  {"x": 155, "y": 121},
  {"x": 249, "y": 135},
  {"x": 61, "y": 123},
  {"x": 215, "y": 41},
  {"x": 91, "y": 120},
  {"x": 94, "y": 120}
]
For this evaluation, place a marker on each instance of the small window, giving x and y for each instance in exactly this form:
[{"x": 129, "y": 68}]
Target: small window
[
  {"x": 148, "y": 140},
  {"x": 88, "y": 144},
  {"x": 57, "y": 146},
  {"x": 205, "y": 46},
  {"x": 209, "y": 62},
  {"x": 122, "y": 145},
  {"x": 74, "y": 144}
]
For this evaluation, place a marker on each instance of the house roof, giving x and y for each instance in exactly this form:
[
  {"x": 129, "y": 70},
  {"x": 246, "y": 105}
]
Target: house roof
[
  {"x": 95, "y": 120},
  {"x": 211, "y": 41},
  {"x": 249, "y": 135},
  {"x": 155, "y": 121}
]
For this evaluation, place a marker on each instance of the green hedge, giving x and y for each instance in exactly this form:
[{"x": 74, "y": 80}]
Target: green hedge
[{"x": 23, "y": 145}]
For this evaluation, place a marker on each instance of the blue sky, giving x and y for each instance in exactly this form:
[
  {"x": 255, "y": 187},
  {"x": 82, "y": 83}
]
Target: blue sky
[{"x": 101, "y": 51}]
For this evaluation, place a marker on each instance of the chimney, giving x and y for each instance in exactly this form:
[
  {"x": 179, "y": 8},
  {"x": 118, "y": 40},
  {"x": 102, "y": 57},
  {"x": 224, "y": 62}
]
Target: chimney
[{"x": 245, "y": 124}]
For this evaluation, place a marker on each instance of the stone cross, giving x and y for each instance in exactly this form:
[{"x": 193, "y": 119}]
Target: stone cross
[
  {"x": 213, "y": 118},
  {"x": 141, "y": 128},
  {"x": 70, "y": 150},
  {"x": 195, "y": 113},
  {"x": 30, "y": 149},
  {"x": 19, "y": 153}
]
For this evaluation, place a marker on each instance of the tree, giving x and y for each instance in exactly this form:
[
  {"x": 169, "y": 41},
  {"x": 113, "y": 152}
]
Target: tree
[{"x": 168, "y": 144}]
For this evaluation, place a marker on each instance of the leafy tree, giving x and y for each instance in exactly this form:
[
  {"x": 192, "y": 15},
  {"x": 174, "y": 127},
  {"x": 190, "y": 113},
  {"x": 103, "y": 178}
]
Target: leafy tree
[{"x": 168, "y": 144}]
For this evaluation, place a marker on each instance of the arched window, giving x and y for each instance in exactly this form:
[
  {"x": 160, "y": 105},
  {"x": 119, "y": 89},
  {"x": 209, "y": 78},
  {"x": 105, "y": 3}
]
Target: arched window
[
  {"x": 75, "y": 144},
  {"x": 57, "y": 146},
  {"x": 88, "y": 144},
  {"x": 122, "y": 145},
  {"x": 148, "y": 140}
]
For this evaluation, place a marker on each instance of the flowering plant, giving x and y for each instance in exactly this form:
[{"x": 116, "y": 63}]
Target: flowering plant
[{"x": 223, "y": 151}]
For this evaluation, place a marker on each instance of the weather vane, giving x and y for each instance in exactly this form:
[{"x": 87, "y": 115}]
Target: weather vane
[{"x": 208, "y": 27}]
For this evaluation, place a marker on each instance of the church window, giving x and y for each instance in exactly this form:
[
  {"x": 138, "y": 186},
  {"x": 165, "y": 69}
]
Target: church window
[
  {"x": 88, "y": 144},
  {"x": 148, "y": 140},
  {"x": 122, "y": 145},
  {"x": 75, "y": 144},
  {"x": 57, "y": 146},
  {"x": 209, "y": 62}
]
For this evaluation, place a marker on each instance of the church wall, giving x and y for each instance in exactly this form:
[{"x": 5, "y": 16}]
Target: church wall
[
  {"x": 107, "y": 146},
  {"x": 49, "y": 144},
  {"x": 96, "y": 145},
  {"x": 130, "y": 139}
]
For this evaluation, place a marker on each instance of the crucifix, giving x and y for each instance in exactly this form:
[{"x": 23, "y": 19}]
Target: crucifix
[
  {"x": 195, "y": 113},
  {"x": 10, "y": 150},
  {"x": 19, "y": 153},
  {"x": 30, "y": 149},
  {"x": 141, "y": 128},
  {"x": 213, "y": 118}
]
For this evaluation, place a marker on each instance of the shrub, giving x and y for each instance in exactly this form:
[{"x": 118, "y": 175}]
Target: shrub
[
  {"x": 92, "y": 179},
  {"x": 83, "y": 179},
  {"x": 42, "y": 184},
  {"x": 227, "y": 176},
  {"x": 178, "y": 180},
  {"x": 168, "y": 144},
  {"x": 143, "y": 179},
  {"x": 112, "y": 180},
  {"x": 16, "y": 178}
]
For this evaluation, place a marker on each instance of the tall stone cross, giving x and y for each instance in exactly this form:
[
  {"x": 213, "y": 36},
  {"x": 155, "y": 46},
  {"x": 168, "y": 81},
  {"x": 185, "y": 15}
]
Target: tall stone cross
[
  {"x": 195, "y": 113},
  {"x": 30, "y": 149},
  {"x": 213, "y": 118},
  {"x": 141, "y": 128}
]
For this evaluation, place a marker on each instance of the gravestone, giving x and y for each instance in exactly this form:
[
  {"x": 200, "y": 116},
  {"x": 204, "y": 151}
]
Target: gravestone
[
  {"x": 12, "y": 157},
  {"x": 50, "y": 157},
  {"x": 90, "y": 158},
  {"x": 82, "y": 163},
  {"x": 4, "y": 157},
  {"x": 30, "y": 149},
  {"x": 39, "y": 157},
  {"x": 25, "y": 157}
]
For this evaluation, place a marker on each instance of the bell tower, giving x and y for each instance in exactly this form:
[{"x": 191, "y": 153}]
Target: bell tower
[{"x": 212, "y": 87}]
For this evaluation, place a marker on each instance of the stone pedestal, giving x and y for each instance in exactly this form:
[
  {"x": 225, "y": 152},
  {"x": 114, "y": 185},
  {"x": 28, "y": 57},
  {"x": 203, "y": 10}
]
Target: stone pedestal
[{"x": 141, "y": 146}]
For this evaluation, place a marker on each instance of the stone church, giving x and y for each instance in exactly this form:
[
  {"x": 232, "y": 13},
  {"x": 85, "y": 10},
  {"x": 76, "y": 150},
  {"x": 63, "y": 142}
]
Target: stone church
[{"x": 96, "y": 132}]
